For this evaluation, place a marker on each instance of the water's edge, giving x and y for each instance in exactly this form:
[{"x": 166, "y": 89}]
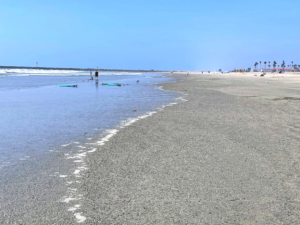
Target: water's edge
[{"x": 52, "y": 179}]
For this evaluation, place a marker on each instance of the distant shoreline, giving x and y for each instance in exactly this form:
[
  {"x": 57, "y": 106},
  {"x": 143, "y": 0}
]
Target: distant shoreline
[{"x": 82, "y": 69}]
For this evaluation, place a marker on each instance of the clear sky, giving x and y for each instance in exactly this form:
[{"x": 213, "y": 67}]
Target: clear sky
[{"x": 149, "y": 34}]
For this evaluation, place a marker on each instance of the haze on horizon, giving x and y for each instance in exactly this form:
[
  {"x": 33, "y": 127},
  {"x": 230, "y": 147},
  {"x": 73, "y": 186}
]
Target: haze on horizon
[{"x": 132, "y": 34}]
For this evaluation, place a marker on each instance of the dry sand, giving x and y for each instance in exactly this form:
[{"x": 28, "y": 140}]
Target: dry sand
[{"x": 228, "y": 155}]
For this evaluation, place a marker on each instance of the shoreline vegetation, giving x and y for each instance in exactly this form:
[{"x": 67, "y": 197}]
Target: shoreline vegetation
[{"x": 292, "y": 67}]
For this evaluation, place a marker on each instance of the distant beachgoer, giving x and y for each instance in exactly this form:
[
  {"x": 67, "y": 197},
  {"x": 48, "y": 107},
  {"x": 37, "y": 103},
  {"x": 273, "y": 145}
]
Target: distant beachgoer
[{"x": 138, "y": 81}]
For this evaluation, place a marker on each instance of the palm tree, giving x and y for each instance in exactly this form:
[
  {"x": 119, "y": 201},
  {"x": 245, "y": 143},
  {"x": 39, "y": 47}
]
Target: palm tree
[
  {"x": 260, "y": 64},
  {"x": 255, "y": 64},
  {"x": 265, "y": 64},
  {"x": 274, "y": 65},
  {"x": 283, "y": 65},
  {"x": 269, "y": 64}
]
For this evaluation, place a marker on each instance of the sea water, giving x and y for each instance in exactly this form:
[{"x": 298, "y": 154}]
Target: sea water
[{"x": 37, "y": 116}]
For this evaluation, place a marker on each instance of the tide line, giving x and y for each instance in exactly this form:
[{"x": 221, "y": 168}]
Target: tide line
[{"x": 81, "y": 166}]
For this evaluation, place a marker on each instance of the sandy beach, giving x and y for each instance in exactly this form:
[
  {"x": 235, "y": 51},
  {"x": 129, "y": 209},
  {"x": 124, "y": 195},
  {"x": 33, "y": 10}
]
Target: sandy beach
[
  {"x": 227, "y": 154},
  {"x": 150, "y": 113}
]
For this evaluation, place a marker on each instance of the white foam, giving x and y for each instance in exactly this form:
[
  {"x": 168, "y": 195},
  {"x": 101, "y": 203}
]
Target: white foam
[
  {"x": 80, "y": 146},
  {"x": 63, "y": 176},
  {"x": 100, "y": 142},
  {"x": 74, "y": 208},
  {"x": 76, "y": 172},
  {"x": 93, "y": 150},
  {"x": 82, "y": 168},
  {"x": 78, "y": 156},
  {"x": 79, "y": 217},
  {"x": 78, "y": 161},
  {"x": 181, "y": 99},
  {"x": 73, "y": 189},
  {"x": 67, "y": 200},
  {"x": 58, "y": 72}
]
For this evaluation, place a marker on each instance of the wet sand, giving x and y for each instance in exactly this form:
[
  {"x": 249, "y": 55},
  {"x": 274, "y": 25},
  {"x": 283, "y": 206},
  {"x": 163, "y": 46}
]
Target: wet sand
[{"x": 230, "y": 154}]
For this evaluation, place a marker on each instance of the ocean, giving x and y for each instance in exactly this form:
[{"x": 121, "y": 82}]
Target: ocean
[
  {"x": 37, "y": 116},
  {"x": 47, "y": 133}
]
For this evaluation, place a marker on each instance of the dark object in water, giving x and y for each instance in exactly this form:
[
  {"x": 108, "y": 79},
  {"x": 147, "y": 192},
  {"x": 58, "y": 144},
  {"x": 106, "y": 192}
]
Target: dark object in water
[
  {"x": 67, "y": 85},
  {"x": 138, "y": 81}
]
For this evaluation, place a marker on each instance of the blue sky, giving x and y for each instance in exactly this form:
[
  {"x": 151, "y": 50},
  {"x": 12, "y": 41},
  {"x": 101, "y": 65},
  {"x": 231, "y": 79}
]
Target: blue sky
[{"x": 149, "y": 34}]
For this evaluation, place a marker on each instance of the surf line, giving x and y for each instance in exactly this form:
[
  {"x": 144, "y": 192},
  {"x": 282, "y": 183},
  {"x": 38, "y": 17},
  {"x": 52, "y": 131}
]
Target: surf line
[{"x": 81, "y": 166}]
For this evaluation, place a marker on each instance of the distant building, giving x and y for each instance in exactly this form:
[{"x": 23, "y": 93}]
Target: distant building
[{"x": 279, "y": 69}]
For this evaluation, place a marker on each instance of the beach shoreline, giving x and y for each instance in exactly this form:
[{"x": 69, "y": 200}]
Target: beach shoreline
[
  {"x": 217, "y": 157},
  {"x": 224, "y": 152},
  {"x": 43, "y": 180}
]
